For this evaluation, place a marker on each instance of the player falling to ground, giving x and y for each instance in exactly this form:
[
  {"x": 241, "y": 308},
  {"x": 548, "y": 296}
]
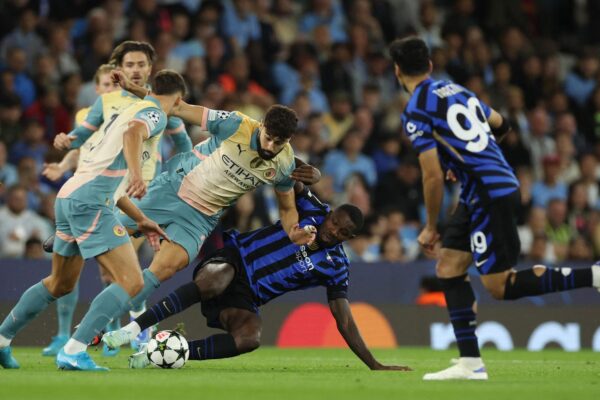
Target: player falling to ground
[
  {"x": 189, "y": 198},
  {"x": 134, "y": 60},
  {"x": 453, "y": 130},
  {"x": 252, "y": 269},
  {"x": 86, "y": 226}
]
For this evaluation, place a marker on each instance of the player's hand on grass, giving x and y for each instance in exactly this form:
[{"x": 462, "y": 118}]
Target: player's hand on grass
[
  {"x": 305, "y": 235},
  {"x": 427, "y": 239},
  {"x": 53, "y": 171},
  {"x": 381, "y": 367},
  {"x": 62, "y": 141},
  {"x": 136, "y": 187},
  {"x": 306, "y": 174},
  {"x": 153, "y": 232}
]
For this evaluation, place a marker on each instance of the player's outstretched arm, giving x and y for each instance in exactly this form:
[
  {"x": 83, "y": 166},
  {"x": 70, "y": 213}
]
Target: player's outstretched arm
[
  {"x": 145, "y": 225},
  {"x": 289, "y": 219},
  {"x": 305, "y": 173},
  {"x": 55, "y": 171},
  {"x": 340, "y": 308},
  {"x": 190, "y": 113}
]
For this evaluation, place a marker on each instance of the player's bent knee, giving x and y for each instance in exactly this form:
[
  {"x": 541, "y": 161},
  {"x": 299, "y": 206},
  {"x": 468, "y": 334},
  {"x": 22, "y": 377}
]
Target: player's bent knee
[
  {"x": 58, "y": 288},
  {"x": 132, "y": 285},
  {"x": 246, "y": 344},
  {"x": 496, "y": 291}
]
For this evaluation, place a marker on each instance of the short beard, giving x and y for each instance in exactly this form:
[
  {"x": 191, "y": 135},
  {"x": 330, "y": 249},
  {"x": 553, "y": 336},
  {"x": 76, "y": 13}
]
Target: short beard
[{"x": 262, "y": 153}]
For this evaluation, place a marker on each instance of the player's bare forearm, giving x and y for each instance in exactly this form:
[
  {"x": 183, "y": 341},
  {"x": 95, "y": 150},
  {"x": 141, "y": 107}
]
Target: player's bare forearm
[
  {"x": 133, "y": 140},
  {"x": 69, "y": 162},
  {"x": 131, "y": 210},
  {"x": 287, "y": 209},
  {"x": 189, "y": 113},
  {"x": 120, "y": 78},
  {"x": 433, "y": 185},
  {"x": 340, "y": 309}
]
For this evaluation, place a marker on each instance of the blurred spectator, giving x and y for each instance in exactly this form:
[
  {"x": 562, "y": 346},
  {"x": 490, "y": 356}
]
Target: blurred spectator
[
  {"x": 558, "y": 231},
  {"x": 16, "y": 62},
  {"x": 340, "y": 119},
  {"x": 541, "y": 251},
  {"x": 61, "y": 48},
  {"x": 579, "y": 208},
  {"x": 580, "y": 249},
  {"x": 588, "y": 165},
  {"x": 549, "y": 187},
  {"x": 50, "y": 113},
  {"x": 391, "y": 249},
  {"x": 31, "y": 145},
  {"x": 18, "y": 223},
  {"x": 515, "y": 151},
  {"x": 240, "y": 23},
  {"x": 429, "y": 27},
  {"x": 535, "y": 227},
  {"x": 402, "y": 188},
  {"x": 538, "y": 138},
  {"x": 340, "y": 164},
  {"x": 8, "y": 172},
  {"x": 386, "y": 155},
  {"x": 580, "y": 82},
  {"x": 328, "y": 13},
  {"x": 569, "y": 169},
  {"x": 195, "y": 78},
  {"x": 34, "y": 249},
  {"x": 29, "y": 178},
  {"x": 24, "y": 36},
  {"x": 10, "y": 119}
]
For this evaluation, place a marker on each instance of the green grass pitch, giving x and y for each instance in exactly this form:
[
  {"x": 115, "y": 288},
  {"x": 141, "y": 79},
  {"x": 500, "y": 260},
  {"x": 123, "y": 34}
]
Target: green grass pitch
[{"x": 331, "y": 374}]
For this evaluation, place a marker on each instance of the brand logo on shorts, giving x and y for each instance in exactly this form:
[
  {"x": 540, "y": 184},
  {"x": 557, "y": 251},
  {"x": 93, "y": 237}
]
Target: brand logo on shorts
[{"x": 118, "y": 230}]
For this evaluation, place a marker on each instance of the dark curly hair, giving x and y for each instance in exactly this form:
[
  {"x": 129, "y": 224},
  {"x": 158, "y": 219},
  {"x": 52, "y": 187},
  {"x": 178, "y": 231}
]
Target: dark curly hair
[
  {"x": 281, "y": 121},
  {"x": 411, "y": 55},
  {"x": 167, "y": 82},
  {"x": 128, "y": 46}
]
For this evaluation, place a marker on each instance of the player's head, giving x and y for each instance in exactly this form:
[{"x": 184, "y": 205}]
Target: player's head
[
  {"x": 104, "y": 83},
  {"x": 411, "y": 58},
  {"x": 340, "y": 225},
  {"x": 277, "y": 129},
  {"x": 135, "y": 59},
  {"x": 170, "y": 86}
]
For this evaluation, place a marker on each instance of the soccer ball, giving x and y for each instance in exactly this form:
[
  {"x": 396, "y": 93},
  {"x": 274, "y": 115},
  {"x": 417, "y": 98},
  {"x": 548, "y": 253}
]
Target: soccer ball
[{"x": 168, "y": 349}]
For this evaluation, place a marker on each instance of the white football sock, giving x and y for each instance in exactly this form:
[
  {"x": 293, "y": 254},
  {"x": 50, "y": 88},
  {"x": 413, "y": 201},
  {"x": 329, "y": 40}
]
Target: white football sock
[
  {"x": 596, "y": 276},
  {"x": 74, "y": 346},
  {"x": 133, "y": 328},
  {"x": 4, "y": 341}
]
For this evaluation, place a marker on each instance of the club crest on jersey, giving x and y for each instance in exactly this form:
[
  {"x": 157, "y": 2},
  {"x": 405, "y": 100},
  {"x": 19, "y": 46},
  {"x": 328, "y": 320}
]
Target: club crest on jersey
[
  {"x": 270, "y": 173},
  {"x": 119, "y": 230},
  {"x": 411, "y": 127}
]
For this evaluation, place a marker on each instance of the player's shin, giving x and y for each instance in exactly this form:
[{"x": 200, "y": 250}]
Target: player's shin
[
  {"x": 213, "y": 347},
  {"x": 65, "y": 308},
  {"x": 174, "y": 303},
  {"x": 541, "y": 280},
  {"x": 460, "y": 301},
  {"x": 151, "y": 283},
  {"x": 109, "y": 304},
  {"x": 32, "y": 302}
]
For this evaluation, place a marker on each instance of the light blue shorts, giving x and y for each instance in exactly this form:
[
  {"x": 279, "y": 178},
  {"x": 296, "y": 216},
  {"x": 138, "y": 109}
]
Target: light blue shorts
[
  {"x": 185, "y": 225},
  {"x": 86, "y": 229}
]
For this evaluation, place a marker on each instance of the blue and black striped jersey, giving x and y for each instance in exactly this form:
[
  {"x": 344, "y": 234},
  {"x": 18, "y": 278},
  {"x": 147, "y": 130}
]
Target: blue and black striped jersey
[
  {"x": 445, "y": 115},
  {"x": 276, "y": 266}
]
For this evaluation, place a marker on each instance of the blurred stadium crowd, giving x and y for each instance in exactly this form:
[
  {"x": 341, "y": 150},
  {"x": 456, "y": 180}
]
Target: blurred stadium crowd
[{"x": 533, "y": 60}]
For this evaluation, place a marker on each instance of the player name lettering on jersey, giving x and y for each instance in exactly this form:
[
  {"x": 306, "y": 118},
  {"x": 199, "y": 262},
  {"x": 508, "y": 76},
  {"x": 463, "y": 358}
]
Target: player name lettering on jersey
[{"x": 448, "y": 90}]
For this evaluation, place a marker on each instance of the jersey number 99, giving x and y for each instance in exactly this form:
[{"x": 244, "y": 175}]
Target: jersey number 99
[{"x": 477, "y": 135}]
